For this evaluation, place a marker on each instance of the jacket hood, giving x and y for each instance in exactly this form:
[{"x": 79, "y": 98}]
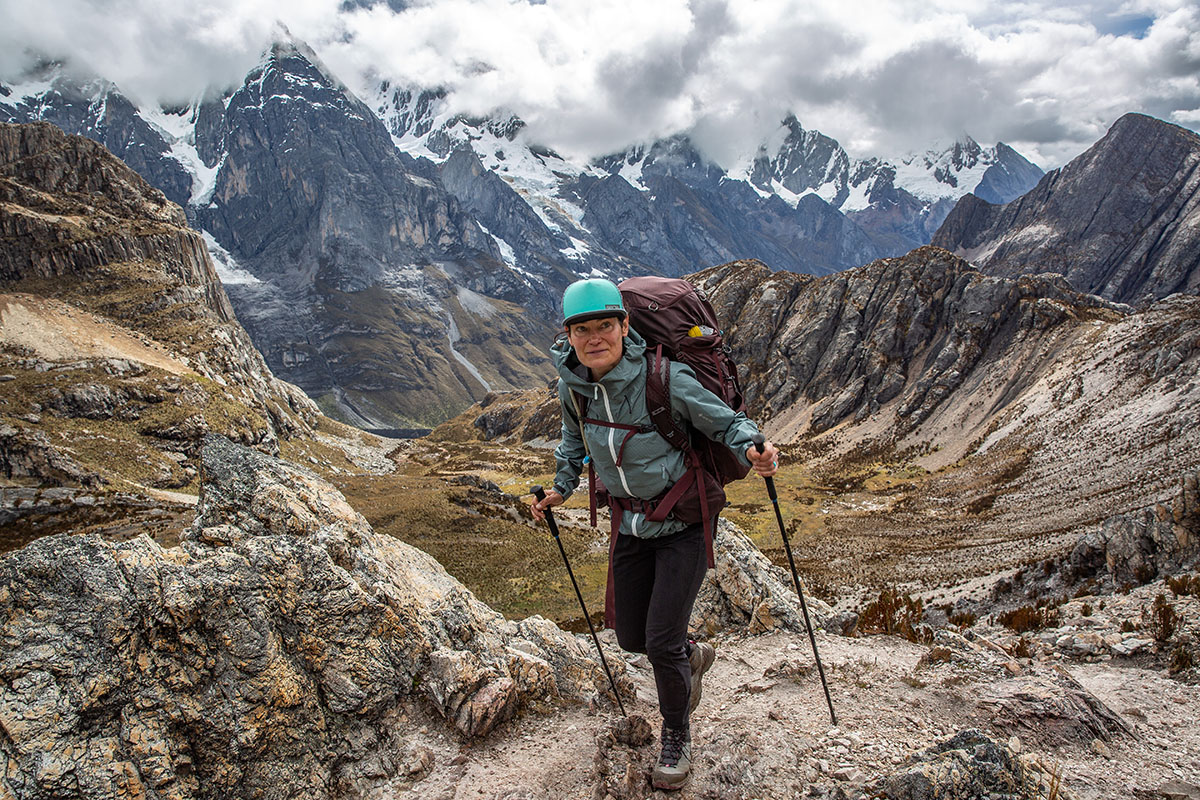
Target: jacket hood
[{"x": 576, "y": 375}]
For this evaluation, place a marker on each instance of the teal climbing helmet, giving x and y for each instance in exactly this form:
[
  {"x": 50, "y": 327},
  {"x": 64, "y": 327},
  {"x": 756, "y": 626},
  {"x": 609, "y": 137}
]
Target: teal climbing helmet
[{"x": 592, "y": 298}]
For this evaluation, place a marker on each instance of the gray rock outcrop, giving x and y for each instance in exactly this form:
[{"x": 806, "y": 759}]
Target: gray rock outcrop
[
  {"x": 284, "y": 649},
  {"x": 29, "y": 454},
  {"x": 746, "y": 592},
  {"x": 1119, "y": 221},
  {"x": 971, "y": 765},
  {"x": 1136, "y": 547}
]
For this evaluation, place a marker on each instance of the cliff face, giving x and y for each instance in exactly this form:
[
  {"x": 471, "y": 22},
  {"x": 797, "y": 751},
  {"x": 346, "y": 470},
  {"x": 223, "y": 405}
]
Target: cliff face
[
  {"x": 74, "y": 209},
  {"x": 373, "y": 286},
  {"x": 1121, "y": 221}
]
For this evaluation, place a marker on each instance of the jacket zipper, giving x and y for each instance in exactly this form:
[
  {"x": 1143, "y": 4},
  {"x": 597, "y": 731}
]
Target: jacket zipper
[{"x": 612, "y": 449}]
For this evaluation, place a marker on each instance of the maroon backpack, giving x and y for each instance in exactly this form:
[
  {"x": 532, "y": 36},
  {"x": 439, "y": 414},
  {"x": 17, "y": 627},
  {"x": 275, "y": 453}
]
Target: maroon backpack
[{"x": 667, "y": 313}]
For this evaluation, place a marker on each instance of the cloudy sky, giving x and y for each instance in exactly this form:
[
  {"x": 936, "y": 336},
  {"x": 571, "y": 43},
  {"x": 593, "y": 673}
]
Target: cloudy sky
[{"x": 591, "y": 76}]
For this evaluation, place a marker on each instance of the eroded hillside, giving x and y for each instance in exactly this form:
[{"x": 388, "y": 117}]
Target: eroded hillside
[{"x": 118, "y": 349}]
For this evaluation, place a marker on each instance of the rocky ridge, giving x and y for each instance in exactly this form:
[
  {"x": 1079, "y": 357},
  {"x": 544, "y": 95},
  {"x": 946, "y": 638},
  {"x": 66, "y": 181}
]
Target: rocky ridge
[
  {"x": 1119, "y": 221},
  {"x": 1018, "y": 394},
  {"x": 907, "y": 331}
]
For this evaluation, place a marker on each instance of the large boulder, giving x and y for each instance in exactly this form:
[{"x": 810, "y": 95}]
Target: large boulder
[
  {"x": 284, "y": 649},
  {"x": 1138, "y": 546}
]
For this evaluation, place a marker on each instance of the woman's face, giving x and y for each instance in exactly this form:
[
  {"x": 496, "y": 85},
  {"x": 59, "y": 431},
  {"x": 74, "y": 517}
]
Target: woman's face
[{"x": 598, "y": 343}]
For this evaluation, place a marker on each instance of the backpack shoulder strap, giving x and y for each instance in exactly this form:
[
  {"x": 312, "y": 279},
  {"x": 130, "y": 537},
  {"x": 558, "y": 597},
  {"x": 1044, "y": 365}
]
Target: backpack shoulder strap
[
  {"x": 580, "y": 404},
  {"x": 658, "y": 400}
]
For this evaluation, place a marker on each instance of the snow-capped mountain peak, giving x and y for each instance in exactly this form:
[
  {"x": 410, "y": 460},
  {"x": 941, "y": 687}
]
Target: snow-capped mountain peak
[{"x": 950, "y": 169}]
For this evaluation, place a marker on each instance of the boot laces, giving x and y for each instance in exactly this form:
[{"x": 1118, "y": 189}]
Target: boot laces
[{"x": 673, "y": 742}]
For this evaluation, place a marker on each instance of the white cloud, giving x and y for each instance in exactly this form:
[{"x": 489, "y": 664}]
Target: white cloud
[{"x": 592, "y": 77}]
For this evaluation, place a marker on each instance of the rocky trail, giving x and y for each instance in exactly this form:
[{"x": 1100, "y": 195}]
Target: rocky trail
[{"x": 1102, "y": 729}]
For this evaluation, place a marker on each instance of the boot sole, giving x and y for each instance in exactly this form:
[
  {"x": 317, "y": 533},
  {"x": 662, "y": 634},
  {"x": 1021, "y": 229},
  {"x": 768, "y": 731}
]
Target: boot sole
[{"x": 668, "y": 787}]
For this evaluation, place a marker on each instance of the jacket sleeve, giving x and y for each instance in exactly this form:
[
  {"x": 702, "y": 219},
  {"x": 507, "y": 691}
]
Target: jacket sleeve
[
  {"x": 570, "y": 451},
  {"x": 709, "y": 414}
]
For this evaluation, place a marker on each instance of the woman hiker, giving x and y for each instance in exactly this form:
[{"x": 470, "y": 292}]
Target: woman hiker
[{"x": 657, "y": 567}]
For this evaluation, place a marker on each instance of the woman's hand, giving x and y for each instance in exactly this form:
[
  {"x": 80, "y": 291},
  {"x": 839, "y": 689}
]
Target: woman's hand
[
  {"x": 538, "y": 507},
  {"x": 765, "y": 463}
]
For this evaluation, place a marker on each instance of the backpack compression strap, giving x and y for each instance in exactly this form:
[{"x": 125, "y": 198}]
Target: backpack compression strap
[{"x": 658, "y": 400}]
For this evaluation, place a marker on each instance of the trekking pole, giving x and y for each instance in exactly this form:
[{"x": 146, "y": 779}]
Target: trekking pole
[
  {"x": 540, "y": 494},
  {"x": 758, "y": 442}
]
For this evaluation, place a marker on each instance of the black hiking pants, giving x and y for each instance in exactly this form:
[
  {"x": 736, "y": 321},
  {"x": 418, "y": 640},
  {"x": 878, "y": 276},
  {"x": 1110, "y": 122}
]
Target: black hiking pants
[{"x": 655, "y": 582}]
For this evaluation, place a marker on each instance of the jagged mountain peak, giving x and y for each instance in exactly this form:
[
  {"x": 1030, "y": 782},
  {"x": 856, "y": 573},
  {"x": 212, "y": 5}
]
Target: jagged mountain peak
[
  {"x": 1132, "y": 132},
  {"x": 950, "y": 170},
  {"x": 793, "y": 162},
  {"x": 296, "y": 178},
  {"x": 291, "y": 70},
  {"x": 945, "y": 168},
  {"x": 962, "y": 152},
  {"x": 1118, "y": 221},
  {"x": 423, "y": 122},
  {"x": 675, "y": 156}
]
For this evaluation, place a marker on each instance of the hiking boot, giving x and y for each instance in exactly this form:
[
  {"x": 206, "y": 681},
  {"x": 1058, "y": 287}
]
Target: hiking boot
[
  {"x": 675, "y": 762},
  {"x": 702, "y": 657}
]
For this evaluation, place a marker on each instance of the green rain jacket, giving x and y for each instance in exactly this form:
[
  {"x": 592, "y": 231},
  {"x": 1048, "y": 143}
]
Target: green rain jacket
[{"x": 649, "y": 464}]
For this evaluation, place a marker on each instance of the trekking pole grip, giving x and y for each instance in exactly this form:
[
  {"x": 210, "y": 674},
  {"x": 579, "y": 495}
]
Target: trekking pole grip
[
  {"x": 759, "y": 443},
  {"x": 540, "y": 494}
]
